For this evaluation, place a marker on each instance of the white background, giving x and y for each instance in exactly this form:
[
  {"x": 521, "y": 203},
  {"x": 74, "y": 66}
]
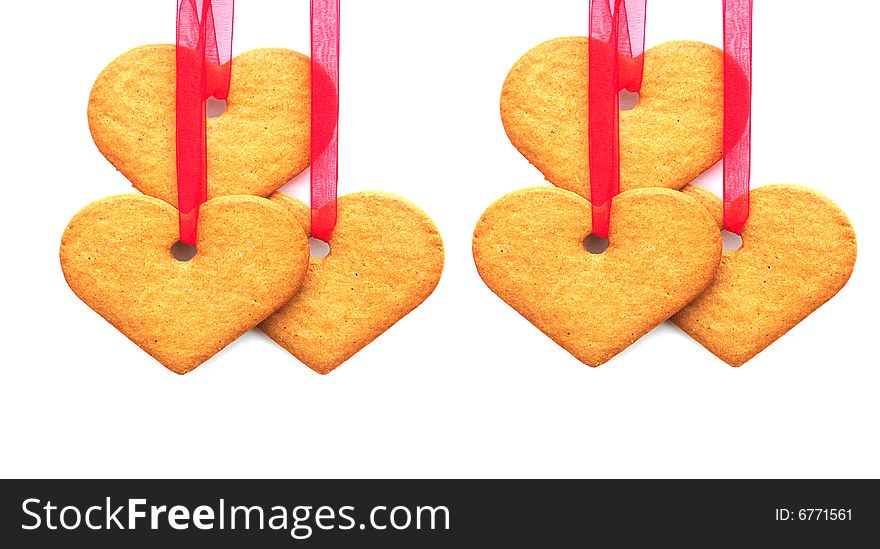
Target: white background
[{"x": 463, "y": 386}]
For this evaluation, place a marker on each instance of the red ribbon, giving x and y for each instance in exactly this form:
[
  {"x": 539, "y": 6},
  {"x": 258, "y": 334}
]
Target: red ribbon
[
  {"x": 616, "y": 61},
  {"x": 737, "y": 112},
  {"x": 325, "y": 116},
  {"x": 204, "y": 51}
]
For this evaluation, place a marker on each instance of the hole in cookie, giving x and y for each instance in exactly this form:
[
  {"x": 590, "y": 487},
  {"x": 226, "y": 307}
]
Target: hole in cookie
[
  {"x": 595, "y": 244},
  {"x": 627, "y": 100},
  {"x": 318, "y": 248},
  {"x": 215, "y": 107},
  {"x": 731, "y": 241},
  {"x": 183, "y": 252}
]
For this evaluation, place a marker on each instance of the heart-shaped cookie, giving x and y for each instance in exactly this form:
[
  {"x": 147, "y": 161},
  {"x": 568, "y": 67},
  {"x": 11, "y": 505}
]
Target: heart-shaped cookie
[
  {"x": 663, "y": 251},
  {"x": 798, "y": 250},
  {"x": 258, "y": 144},
  {"x": 385, "y": 259},
  {"x": 251, "y": 258},
  {"x": 667, "y": 140}
]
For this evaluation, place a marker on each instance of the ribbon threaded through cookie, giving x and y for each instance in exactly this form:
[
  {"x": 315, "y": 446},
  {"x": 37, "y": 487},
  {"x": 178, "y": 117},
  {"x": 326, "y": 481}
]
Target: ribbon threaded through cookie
[
  {"x": 737, "y": 112},
  {"x": 203, "y": 70},
  {"x": 616, "y": 54},
  {"x": 324, "y": 175}
]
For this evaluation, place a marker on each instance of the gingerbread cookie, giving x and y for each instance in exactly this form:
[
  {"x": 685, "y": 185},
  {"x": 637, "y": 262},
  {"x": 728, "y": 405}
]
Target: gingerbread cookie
[
  {"x": 385, "y": 259},
  {"x": 257, "y": 145},
  {"x": 251, "y": 258},
  {"x": 667, "y": 140},
  {"x": 663, "y": 251},
  {"x": 798, "y": 250}
]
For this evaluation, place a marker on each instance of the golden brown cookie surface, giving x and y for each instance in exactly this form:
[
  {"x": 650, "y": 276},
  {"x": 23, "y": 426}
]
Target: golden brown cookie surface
[
  {"x": 251, "y": 258},
  {"x": 667, "y": 140},
  {"x": 258, "y": 144},
  {"x": 708, "y": 199},
  {"x": 663, "y": 251},
  {"x": 798, "y": 251},
  {"x": 386, "y": 257}
]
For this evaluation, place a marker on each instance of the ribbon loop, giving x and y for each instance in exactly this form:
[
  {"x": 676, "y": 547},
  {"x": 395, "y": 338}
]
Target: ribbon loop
[
  {"x": 737, "y": 112},
  {"x": 631, "y": 43},
  {"x": 325, "y": 116},
  {"x": 203, "y": 69},
  {"x": 218, "y": 48},
  {"x": 616, "y": 61}
]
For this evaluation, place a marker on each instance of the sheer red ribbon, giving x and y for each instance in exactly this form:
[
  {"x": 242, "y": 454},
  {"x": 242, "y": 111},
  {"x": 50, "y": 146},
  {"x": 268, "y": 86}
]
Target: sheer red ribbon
[
  {"x": 616, "y": 61},
  {"x": 325, "y": 116},
  {"x": 737, "y": 112},
  {"x": 204, "y": 51}
]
